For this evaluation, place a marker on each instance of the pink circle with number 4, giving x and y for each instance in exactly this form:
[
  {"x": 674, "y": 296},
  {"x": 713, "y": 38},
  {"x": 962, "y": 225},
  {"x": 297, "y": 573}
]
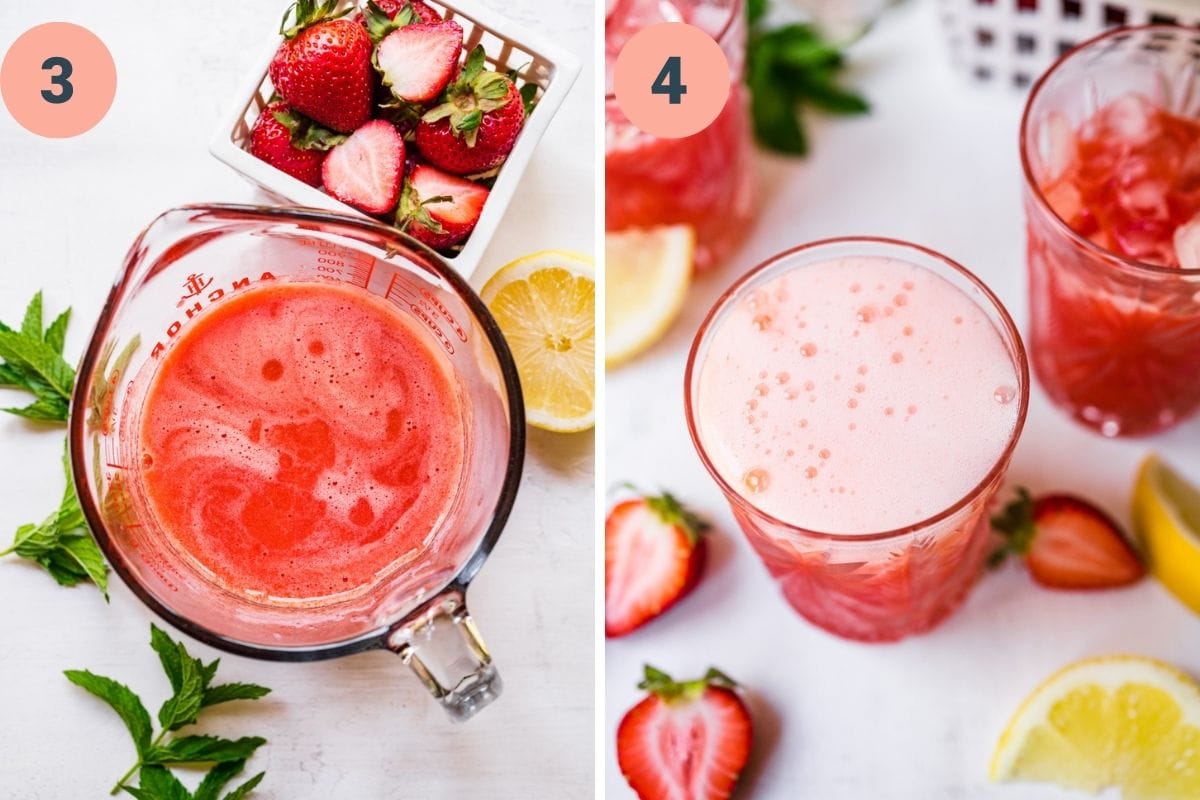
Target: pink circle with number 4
[
  {"x": 671, "y": 56},
  {"x": 58, "y": 80}
]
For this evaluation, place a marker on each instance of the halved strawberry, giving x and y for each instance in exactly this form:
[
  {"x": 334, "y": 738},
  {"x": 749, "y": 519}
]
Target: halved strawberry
[
  {"x": 476, "y": 125},
  {"x": 381, "y": 17},
  {"x": 686, "y": 740},
  {"x": 438, "y": 209},
  {"x": 291, "y": 143},
  {"x": 417, "y": 61},
  {"x": 365, "y": 171},
  {"x": 653, "y": 556},
  {"x": 1067, "y": 543}
]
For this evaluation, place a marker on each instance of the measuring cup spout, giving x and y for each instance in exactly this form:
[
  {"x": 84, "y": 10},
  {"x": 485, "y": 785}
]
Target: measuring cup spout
[{"x": 441, "y": 644}]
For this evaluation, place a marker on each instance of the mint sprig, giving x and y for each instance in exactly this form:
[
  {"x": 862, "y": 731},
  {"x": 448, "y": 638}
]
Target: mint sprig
[
  {"x": 787, "y": 68},
  {"x": 61, "y": 544},
  {"x": 31, "y": 359},
  {"x": 192, "y": 692}
]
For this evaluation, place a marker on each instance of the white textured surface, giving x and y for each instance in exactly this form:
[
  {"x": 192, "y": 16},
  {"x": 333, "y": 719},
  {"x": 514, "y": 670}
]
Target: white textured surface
[
  {"x": 936, "y": 163},
  {"x": 351, "y": 729}
]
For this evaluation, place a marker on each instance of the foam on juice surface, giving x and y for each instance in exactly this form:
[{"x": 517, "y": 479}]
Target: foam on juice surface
[
  {"x": 857, "y": 395},
  {"x": 299, "y": 438}
]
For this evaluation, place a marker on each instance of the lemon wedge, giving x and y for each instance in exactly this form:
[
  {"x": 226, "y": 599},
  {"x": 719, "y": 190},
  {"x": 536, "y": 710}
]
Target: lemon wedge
[
  {"x": 546, "y": 305},
  {"x": 1124, "y": 721},
  {"x": 1166, "y": 518},
  {"x": 646, "y": 278}
]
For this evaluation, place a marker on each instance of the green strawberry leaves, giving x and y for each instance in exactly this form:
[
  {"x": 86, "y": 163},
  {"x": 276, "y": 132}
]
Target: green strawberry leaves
[
  {"x": 476, "y": 92},
  {"x": 192, "y": 691},
  {"x": 307, "y": 134},
  {"x": 32, "y": 360}
]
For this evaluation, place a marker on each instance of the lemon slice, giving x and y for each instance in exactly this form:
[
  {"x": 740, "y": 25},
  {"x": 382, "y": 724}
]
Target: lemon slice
[
  {"x": 646, "y": 277},
  {"x": 1166, "y": 517},
  {"x": 1124, "y": 721},
  {"x": 546, "y": 305}
]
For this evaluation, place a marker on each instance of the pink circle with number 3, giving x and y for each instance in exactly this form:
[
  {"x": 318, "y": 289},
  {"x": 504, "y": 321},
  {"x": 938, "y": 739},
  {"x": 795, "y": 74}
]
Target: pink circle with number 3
[
  {"x": 58, "y": 80},
  {"x": 646, "y": 60}
]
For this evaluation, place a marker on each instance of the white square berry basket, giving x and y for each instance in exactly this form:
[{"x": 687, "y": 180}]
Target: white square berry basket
[
  {"x": 509, "y": 46},
  {"x": 1010, "y": 43}
]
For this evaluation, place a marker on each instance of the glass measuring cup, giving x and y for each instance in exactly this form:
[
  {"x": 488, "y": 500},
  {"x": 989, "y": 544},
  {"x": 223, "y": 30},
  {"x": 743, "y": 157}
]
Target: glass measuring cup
[{"x": 188, "y": 260}]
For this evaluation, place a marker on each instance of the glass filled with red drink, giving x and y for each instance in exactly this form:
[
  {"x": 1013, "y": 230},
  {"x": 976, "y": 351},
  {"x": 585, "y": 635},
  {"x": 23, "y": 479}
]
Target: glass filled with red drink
[
  {"x": 705, "y": 180},
  {"x": 1110, "y": 144}
]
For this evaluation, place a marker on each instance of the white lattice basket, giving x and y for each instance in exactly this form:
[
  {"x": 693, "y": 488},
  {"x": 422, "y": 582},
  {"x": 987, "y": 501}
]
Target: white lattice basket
[
  {"x": 1009, "y": 43},
  {"x": 509, "y": 46}
]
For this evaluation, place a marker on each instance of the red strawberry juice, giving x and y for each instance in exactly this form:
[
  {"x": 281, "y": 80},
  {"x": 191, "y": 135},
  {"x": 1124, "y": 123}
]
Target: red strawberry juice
[
  {"x": 703, "y": 180},
  {"x": 301, "y": 440},
  {"x": 1116, "y": 340}
]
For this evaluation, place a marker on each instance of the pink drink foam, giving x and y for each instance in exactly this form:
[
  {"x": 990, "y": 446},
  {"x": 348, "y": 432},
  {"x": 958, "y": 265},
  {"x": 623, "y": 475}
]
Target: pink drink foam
[{"x": 856, "y": 396}]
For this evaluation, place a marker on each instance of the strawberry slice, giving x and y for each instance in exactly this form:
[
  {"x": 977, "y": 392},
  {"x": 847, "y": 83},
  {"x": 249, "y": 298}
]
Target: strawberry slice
[
  {"x": 438, "y": 209},
  {"x": 653, "y": 556},
  {"x": 417, "y": 61},
  {"x": 365, "y": 170},
  {"x": 1067, "y": 543},
  {"x": 686, "y": 740}
]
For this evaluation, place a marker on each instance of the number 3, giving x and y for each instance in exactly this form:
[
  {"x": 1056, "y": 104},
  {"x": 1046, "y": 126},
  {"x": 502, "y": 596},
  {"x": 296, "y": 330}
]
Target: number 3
[
  {"x": 65, "y": 89},
  {"x": 670, "y": 81}
]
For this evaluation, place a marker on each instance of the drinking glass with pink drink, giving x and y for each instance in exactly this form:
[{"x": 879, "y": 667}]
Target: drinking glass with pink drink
[
  {"x": 704, "y": 180},
  {"x": 1110, "y": 145},
  {"x": 857, "y": 401}
]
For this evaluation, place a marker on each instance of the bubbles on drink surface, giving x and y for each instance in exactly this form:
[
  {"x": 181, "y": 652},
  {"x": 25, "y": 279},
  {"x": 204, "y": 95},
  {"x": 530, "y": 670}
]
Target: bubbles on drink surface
[{"x": 756, "y": 480}]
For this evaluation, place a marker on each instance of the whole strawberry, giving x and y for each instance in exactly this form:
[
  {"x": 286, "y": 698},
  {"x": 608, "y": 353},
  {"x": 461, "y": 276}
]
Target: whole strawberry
[
  {"x": 290, "y": 143},
  {"x": 421, "y": 12},
  {"x": 686, "y": 740},
  {"x": 476, "y": 125},
  {"x": 323, "y": 68}
]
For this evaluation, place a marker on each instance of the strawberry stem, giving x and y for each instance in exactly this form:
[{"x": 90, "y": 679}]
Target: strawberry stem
[
  {"x": 1015, "y": 525},
  {"x": 660, "y": 683}
]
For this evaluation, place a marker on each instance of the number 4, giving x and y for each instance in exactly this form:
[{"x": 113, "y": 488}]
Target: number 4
[{"x": 670, "y": 81}]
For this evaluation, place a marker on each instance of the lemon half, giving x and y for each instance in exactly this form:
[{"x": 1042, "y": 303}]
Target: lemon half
[
  {"x": 1166, "y": 518},
  {"x": 546, "y": 305},
  {"x": 1123, "y": 721},
  {"x": 646, "y": 278}
]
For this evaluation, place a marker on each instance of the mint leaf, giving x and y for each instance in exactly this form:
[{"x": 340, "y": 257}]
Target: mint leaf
[
  {"x": 217, "y": 779},
  {"x": 38, "y": 359},
  {"x": 157, "y": 783},
  {"x": 790, "y": 67},
  {"x": 233, "y": 691},
  {"x": 204, "y": 749},
  {"x": 184, "y": 706},
  {"x": 168, "y": 656},
  {"x": 56, "y": 334},
  {"x": 62, "y": 544},
  {"x": 245, "y": 789},
  {"x": 123, "y": 701},
  {"x": 31, "y": 325},
  {"x": 85, "y": 552},
  {"x": 190, "y": 678},
  {"x": 209, "y": 671}
]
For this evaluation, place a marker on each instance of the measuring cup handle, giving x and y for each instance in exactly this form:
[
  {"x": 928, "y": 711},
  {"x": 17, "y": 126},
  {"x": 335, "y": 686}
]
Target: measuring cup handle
[{"x": 441, "y": 644}]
